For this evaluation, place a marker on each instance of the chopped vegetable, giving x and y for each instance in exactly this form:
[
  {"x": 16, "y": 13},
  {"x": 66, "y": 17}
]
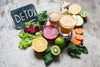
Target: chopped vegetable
[
  {"x": 37, "y": 28},
  {"x": 42, "y": 17},
  {"x": 26, "y": 30},
  {"x": 79, "y": 31},
  {"x": 47, "y": 56},
  {"x": 27, "y": 38},
  {"x": 79, "y": 37},
  {"x": 76, "y": 42}
]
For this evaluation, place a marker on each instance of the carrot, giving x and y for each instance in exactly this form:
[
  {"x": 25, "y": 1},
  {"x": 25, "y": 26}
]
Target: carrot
[
  {"x": 79, "y": 31},
  {"x": 76, "y": 42},
  {"x": 79, "y": 37}
]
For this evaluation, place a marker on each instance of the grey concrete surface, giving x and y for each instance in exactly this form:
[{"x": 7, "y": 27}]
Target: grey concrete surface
[{"x": 12, "y": 56}]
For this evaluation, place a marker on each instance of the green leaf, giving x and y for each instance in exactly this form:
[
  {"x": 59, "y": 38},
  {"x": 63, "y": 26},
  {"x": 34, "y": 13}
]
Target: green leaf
[
  {"x": 27, "y": 24},
  {"x": 73, "y": 49},
  {"x": 42, "y": 17},
  {"x": 47, "y": 56},
  {"x": 21, "y": 34},
  {"x": 82, "y": 48}
]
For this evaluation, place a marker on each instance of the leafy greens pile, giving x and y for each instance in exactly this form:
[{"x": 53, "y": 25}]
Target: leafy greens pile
[
  {"x": 27, "y": 38},
  {"x": 48, "y": 57},
  {"x": 42, "y": 17},
  {"x": 76, "y": 49}
]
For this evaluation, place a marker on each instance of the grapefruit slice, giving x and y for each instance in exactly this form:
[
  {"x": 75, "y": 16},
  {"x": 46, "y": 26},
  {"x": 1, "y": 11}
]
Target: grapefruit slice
[
  {"x": 40, "y": 44},
  {"x": 50, "y": 32},
  {"x": 74, "y": 8}
]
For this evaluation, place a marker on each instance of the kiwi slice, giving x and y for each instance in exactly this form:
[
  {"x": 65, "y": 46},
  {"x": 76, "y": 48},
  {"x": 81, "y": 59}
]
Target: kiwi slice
[
  {"x": 55, "y": 50},
  {"x": 84, "y": 14}
]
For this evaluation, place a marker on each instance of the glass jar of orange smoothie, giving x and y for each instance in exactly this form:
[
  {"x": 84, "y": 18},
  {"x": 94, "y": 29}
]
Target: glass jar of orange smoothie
[
  {"x": 66, "y": 23},
  {"x": 54, "y": 18}
]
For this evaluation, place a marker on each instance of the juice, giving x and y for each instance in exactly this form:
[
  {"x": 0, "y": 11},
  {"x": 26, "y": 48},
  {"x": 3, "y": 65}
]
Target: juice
[
  {"x": 54, "y": 18},
  {"x": 67, "y": 22}
]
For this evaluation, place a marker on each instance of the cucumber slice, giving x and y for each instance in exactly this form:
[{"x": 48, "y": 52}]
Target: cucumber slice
[
  {"x": 83, "y": 14},
  {"x": 79, "y": 20}
]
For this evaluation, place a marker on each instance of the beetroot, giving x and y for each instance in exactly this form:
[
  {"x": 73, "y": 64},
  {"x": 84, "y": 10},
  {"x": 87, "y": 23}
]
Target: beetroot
[
  {"x": 30, "y": 27},
  {"x": 26, "y": 30},
  {"x": 36, "y": 28},
  {"x": 50, "y": 32},
  {"x": 32, "y": 31}
]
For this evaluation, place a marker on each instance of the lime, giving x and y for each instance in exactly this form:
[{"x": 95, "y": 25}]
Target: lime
[
  {"x": 60, "y": 42},
  {"x": 79, "y": 20}
]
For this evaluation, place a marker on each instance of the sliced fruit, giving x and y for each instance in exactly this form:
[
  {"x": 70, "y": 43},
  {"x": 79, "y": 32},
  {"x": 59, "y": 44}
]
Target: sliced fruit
[
  {"x": 84, "y": 14},
  {"x": 55, "y": 50},
  {"x": 50, "y": 32},
  {"x": 76, "y": 42},
  {"x": 60, "y": 42},
  {"x": 79, "y": 31},
  {"x": 79, "y": 20},
  {"x": 40, "y": 44},
  {"x": 26, "y": 30},
  {"x": 74, "y": 8},
  {"x": 79, "y": 37},
  {"x": 37, "y": 28}
]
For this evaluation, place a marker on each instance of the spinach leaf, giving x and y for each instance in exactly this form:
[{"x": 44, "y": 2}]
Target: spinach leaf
[
  {"x": 83, "y": 49},
  {"x": 42, "y": 17},
  {"x": 73, "y": 50},
  {"x": 47, "y": 56}
]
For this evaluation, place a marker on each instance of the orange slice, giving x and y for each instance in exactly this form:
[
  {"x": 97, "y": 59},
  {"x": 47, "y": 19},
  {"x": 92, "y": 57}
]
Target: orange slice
[
  {"x": 74, "y": 8},
  {"x": 39, "y": 44}
]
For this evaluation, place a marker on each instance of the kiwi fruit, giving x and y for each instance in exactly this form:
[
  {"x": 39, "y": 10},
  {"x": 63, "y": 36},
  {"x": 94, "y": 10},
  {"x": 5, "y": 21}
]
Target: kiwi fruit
[
  {"x": 84, "y": 14},
  {"x": 55, "y": 50}
]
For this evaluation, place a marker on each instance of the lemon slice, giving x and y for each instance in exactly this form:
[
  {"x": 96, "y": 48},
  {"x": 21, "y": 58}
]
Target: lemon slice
[
  {"x": 40, "y": 44},
  {"x": 74, "y": 8}
]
